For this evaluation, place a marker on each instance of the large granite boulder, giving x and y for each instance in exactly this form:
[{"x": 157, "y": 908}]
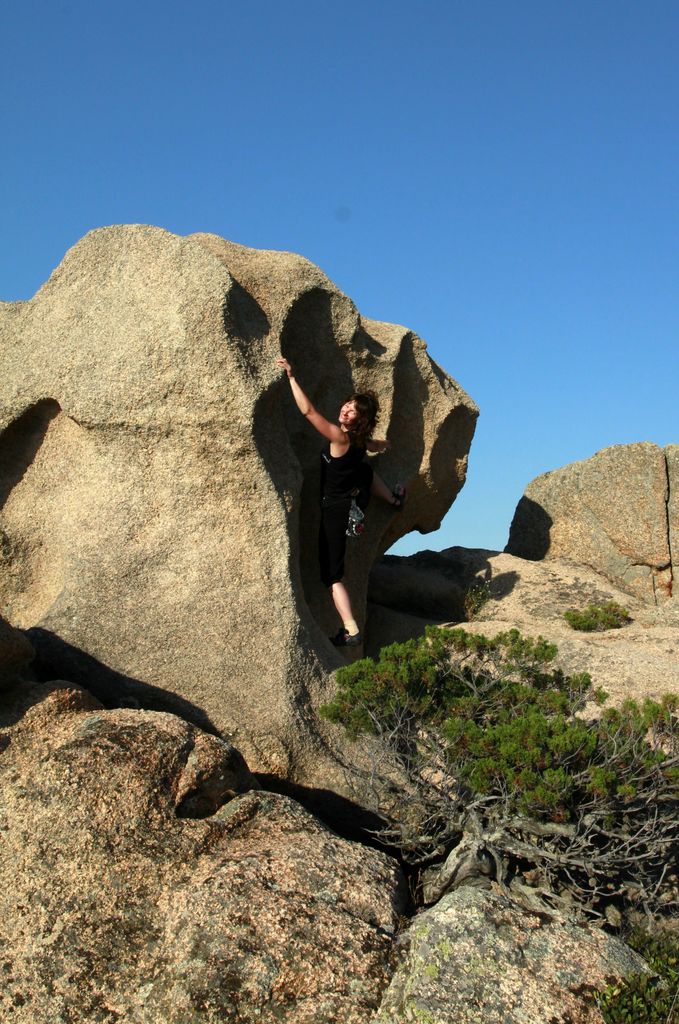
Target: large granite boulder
[
  {"x": 158, "y": 488},
  {"x": 477, "y": 958},
  {"x": 617, "y": 512},
  {"x": 144, "y": 878}
]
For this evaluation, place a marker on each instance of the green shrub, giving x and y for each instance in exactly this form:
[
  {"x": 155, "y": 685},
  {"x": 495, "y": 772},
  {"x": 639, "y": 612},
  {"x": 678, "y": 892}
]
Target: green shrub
[
  {"x": 486, "y": 738},
  {"x": 474, "y": 600},
  {"x": 596, "y": 617},
  {"x": 646, "y": 998}
]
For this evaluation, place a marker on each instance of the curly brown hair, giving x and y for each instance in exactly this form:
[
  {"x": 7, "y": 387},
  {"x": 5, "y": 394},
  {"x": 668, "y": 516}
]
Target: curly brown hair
[{"x": 368, "y": 408}]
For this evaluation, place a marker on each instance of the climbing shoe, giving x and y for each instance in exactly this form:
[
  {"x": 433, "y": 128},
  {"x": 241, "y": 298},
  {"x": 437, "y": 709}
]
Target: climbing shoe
[
  {"x": 344, "y": 639},
  {"x": 399, "y": 496}
]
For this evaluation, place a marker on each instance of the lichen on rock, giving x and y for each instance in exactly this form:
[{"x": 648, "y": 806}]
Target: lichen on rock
[{"x": 477, "y": 958}]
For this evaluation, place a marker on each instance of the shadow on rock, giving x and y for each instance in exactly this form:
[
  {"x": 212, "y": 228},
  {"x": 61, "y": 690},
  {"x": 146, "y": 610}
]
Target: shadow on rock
[
  {"x": 20, "y": 442},
  {"x": 58, "y": 659},
  {"x": 407, "y": 594},
  {"x": 529, "y": 534},
  {"x": 434, "y": 584},
  {"x": 503, "y": 584},
  {"x": 342, "y": 815}
]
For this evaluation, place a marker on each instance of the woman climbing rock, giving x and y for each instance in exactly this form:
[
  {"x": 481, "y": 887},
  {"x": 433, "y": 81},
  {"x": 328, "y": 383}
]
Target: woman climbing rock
[{"x": 347, "y": 482}]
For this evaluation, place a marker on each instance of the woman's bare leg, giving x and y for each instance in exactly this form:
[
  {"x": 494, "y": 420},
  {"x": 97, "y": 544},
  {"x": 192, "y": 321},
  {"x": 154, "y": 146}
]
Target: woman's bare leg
[
  {"x": 392, "y": 497},
  {"x": 342, "y": 602},
  {"x": 380, "y": 489}
]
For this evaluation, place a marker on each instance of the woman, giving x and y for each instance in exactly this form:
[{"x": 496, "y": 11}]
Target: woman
[{"x": 345, "y": 477}]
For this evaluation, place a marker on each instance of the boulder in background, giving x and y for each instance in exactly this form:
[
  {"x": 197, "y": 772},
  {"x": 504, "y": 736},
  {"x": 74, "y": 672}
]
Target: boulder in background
[{"x": 617, "y": 512}]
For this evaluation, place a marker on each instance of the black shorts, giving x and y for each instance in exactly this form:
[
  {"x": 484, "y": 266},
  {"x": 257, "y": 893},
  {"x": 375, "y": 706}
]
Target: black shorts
[
  {"x": 332, "y": 541},
  {"x": 332, "y": 538}
]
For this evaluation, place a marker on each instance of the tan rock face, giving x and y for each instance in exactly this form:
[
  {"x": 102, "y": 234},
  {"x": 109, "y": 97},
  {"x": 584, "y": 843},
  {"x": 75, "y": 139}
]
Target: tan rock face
[
  {"x": 116, "y": 905},
  {"x": 672, "y": 456},
  {"x": 158, "y": 488},
  {"x": 609, "y": 512}
]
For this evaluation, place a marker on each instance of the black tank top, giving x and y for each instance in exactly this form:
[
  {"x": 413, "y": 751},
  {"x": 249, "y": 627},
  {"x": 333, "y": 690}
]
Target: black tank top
[{"x": 340, "y": 476}]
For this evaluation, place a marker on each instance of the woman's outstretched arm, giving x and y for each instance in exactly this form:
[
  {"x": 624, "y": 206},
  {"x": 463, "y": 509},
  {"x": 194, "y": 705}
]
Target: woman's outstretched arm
[{"x": 323, "y": 426}]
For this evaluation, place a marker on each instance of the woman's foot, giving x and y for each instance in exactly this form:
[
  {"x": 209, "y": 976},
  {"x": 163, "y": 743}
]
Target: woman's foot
[
  {"x": 343, "y": 638},
  {"x": 399, "y": 497}
]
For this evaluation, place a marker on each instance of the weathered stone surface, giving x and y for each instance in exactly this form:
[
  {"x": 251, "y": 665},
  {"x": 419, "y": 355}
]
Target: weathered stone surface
[
  {"x": 475, "y": 958},
  {"x": 16, "y": 654},
  {"x": 609, "y": 512},
  {"x": 640, "y": 660},
  {"x": 672, "y": 456},
  {"x": 158, "y": 487},
  {"x": 114, "y": 907}
]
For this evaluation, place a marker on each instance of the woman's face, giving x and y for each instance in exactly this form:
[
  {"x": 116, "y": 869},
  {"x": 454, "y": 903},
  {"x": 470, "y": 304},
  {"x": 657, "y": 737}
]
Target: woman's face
[{"x": 348, "y": 414}]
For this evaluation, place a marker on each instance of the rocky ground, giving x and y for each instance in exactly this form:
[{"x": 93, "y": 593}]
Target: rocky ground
[
  {"x": 145, "y": 877},
  {"x": 640, "y": 660}
]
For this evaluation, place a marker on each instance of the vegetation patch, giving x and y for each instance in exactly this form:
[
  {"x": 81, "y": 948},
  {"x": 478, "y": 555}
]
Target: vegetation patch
[
  {"x": 597, "y": 617},
  {"x": 651, "y": 998},
  {"x": 474, "y": 600},
  {"x": 485, "y": 763}
]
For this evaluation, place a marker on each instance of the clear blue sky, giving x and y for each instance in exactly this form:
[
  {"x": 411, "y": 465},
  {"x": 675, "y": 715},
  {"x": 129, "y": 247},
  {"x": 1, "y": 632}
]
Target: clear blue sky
[{"x": 503, "y": 178}]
